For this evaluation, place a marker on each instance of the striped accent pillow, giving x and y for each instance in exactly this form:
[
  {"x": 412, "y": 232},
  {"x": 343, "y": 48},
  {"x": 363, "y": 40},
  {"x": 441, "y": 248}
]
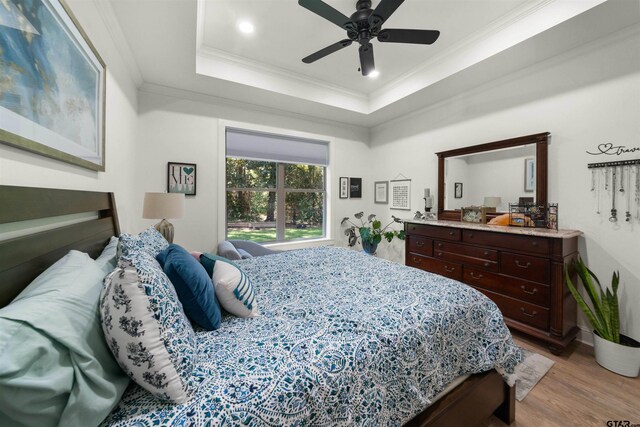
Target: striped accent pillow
[{"x": 233, "y": 287}]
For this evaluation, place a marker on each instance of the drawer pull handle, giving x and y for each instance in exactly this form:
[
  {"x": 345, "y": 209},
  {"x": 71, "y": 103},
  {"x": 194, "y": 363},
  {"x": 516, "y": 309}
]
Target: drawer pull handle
[
  {"x": 524, "y": 289},
  {"x": 534, "y": 243},
  {"x": 532, "y": 314},
  {"x": 419, "y": 244},
  {"x": 486, "y": 253},
  {"x": 486, "y": 264},
  {"x": 439, "y": 254},
  {"x": 477, "y": 277},
  {"x": 451, "y": 233},
  {"x": 417, "y": 260},
  {"x": 449, "y": 269},
  {"x": 440, "y": 244},
  {"x": 527, "y": 265},
  {"x": 471, "y": 235}
]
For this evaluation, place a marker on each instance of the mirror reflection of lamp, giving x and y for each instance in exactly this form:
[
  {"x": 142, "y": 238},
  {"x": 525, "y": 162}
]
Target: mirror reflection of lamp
[
  {"x": 163, "y": 206},
  {"x": 492, "y": 202},
  {"x": 428, "y": 200}
]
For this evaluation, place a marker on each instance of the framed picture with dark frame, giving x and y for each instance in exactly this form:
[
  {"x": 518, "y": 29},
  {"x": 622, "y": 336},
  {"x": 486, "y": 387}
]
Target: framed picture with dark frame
[
  {"x": 181, "y": 178},
  {"x": 53, "y": 85},
  {"x": 381, "y": 192},
  {"x": 457, "y": 190},
  {"x": 344, "y": 187},
  {"x": 355, "y": 188}
]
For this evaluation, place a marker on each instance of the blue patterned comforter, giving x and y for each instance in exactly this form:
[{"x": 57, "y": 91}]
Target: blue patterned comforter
[{"x": 343, "y": 339}]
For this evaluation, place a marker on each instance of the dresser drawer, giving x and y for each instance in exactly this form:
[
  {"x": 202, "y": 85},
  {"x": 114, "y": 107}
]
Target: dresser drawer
[
  {"x": 448, "y": 269},
  {"x": 526, "y": 267},
  {"x": 437, "y": 232},
  {"x": 534, "y": 293},
  {"x": 420, "y": 245},
  {"x": 528, "y": 244},
  {"x": 521, "y": 311},
  {"x": 466, "y": 260},
  {"x": 472, "y": 251}
]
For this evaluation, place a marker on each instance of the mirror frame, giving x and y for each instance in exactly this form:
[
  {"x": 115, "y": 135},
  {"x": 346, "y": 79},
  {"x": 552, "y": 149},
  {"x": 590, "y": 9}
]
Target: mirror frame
[{"x": 541, "y": 140}]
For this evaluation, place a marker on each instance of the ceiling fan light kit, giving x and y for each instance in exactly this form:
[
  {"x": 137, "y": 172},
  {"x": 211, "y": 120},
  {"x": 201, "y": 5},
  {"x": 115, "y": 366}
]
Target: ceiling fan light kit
[{"x": 364, "y": 25}]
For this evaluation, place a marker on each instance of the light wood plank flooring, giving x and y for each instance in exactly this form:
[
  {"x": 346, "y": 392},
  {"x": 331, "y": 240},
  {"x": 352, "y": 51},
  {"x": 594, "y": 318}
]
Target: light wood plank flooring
[{"x": 575, "y": 392}]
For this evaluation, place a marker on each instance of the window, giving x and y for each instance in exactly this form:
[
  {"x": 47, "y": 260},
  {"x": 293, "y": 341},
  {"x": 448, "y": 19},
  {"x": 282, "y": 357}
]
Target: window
[{"x": 275, "y": 187}]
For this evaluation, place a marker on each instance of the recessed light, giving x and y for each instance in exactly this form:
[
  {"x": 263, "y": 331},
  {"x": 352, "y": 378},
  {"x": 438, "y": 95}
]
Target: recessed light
[
  {"x": 246, "y": 27},
  {"x": 374, "y": 74}
]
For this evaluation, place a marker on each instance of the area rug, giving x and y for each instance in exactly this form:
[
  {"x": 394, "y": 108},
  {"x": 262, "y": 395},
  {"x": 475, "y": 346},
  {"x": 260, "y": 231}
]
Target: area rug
[{"x": 529, "y": 372}]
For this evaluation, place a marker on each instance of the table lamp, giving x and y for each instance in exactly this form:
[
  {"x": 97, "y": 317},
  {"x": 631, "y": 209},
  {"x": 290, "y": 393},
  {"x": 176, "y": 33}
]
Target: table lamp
[{"x": 163, "y": 206}]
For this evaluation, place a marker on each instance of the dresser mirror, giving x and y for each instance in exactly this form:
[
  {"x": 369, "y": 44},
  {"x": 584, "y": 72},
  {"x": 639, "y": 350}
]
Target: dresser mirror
[{"x": 493, "y": 175}]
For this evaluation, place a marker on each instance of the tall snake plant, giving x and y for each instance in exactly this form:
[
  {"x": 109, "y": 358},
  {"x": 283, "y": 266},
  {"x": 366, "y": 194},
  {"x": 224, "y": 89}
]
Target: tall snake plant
[{"x": 604, "y": 317}]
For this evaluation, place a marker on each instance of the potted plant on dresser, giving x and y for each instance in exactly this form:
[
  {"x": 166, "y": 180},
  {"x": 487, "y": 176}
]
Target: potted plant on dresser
[
  {"x": 614, "y": 351},
  {"x": 370, "y": 232}
]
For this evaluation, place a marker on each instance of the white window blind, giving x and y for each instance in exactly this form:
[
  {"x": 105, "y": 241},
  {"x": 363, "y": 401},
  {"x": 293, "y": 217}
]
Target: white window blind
[{"x": 248, "y": 144}]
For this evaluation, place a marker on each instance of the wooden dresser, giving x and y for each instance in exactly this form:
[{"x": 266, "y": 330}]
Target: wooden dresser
[{"x": 520, "y": 269}]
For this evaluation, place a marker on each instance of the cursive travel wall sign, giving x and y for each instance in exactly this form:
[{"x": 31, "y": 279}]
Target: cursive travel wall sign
[{"x": 613, "y": 150}]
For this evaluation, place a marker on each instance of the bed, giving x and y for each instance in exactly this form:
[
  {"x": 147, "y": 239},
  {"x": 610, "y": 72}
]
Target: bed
[{"x": 365, "y": 351}]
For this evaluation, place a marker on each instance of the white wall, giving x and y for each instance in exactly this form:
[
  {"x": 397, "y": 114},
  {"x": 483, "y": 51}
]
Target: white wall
[
  {"x": 176, "y": 126},
  {"x": 18, "y": 167},
  {"x": 586, "y": 97}
]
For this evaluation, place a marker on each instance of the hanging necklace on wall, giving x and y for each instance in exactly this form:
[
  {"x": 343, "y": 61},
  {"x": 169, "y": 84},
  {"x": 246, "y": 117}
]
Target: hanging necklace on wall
[
  {"x": 593, "y": 179},
  {"x": 638, "y": 192},
  {"x": 614, "y": 212},
  {"x": 598, "y": 178},
  {"x": 622, "y": 179},
  {"x": 627, "y": 214}
]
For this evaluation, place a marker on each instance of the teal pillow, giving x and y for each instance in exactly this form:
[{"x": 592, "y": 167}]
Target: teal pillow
[
  {"x": 56, "y": 368},
  {"x": 193, "y": 286},
  {"x": 107, "y": 259}
]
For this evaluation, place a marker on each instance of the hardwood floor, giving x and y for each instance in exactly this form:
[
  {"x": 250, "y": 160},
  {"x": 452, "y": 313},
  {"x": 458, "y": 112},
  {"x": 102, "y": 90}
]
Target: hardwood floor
[{"x": 576, "y": 392}]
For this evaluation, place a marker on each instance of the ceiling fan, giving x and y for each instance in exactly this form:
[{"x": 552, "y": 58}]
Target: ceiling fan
[{"x": 365, "y": 24}]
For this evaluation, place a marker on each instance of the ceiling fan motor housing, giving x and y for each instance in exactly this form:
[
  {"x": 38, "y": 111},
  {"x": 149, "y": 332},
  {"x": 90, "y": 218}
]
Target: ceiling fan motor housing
[{"x": 361, "y": 18}]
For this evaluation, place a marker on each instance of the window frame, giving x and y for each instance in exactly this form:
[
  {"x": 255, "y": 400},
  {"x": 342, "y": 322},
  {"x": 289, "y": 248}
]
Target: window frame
[
  {"x": 281, "y": 191},
  {"x": 329, "y": 202}
]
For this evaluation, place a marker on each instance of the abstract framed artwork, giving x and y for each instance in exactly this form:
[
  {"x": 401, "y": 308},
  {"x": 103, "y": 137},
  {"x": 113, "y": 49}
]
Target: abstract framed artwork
[
  {"x": 52, "y": 82},
  {"x": 381, "y": 192},
  {"x": 181, "y": 178},
  {"x": 344, "y": 187}
]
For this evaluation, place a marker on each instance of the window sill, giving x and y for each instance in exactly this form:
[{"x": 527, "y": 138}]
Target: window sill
[{"x": 301, "y": 244}]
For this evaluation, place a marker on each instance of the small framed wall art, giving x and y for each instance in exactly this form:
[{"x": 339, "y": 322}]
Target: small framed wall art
[
  {"x": 381, "y": 192},
  {"x": 457, "y": 190},
  {"x": 181, "y": 178},
  {"x": 401, "y": 194},
  {"x": 355, "y": 188},
  {"x": 529, "y": 175},
  {"x": 344, "y": 187}
]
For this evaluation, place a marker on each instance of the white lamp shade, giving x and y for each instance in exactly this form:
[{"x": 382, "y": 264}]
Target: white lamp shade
[
  {"x": 163, "y": 205},
  {"x": 492, "y": 201}
]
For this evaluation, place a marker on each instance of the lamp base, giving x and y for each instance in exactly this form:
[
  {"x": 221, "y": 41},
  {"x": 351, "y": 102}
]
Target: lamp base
[{"x": 166, "y": 229}]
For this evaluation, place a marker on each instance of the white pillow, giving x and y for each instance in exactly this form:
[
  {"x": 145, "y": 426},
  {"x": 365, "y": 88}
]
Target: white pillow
[{"x": 233, "y": 288}]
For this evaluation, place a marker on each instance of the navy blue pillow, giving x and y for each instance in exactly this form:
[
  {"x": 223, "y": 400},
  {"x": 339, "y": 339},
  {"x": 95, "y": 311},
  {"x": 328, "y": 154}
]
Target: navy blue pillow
[{"x": 193, "y": 286}]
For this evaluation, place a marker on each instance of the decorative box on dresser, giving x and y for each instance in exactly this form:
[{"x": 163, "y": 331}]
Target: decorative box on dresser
[{"x": 520, "y": 269}]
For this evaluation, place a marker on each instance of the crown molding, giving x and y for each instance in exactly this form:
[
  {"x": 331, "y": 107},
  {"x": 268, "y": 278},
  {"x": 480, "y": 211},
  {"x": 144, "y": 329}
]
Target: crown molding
[
  {"x": 108, "y": 16},
  {"x": 182, "y": 94},
  {"x": 500, "y": 35}
]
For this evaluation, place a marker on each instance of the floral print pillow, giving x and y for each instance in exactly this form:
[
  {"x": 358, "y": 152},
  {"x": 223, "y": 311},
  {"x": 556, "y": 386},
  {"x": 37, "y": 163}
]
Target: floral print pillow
[
  {"x": 146, "y": 328},
  {"x": 150, "y": 240}
]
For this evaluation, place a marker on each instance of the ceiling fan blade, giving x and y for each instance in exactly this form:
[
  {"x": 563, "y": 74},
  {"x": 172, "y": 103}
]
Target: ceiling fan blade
[
  {"x": 367, "y": 64},
  {"x": 326, "y": 51},
  {"x": 384, "y": 10},
  {"x": 329, "y": 13},
  {"x": 391, "y": 35}
]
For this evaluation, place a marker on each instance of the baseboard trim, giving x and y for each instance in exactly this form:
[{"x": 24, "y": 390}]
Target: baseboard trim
[{"x": 585, "y": 336}]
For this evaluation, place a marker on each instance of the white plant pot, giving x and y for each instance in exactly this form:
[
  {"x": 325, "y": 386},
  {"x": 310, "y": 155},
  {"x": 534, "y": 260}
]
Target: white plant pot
[{"x": 618, "y": 358}]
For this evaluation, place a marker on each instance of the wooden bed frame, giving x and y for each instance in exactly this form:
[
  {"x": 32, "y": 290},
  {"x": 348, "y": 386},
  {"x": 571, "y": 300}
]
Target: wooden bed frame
[{"x": 23, "y": 258}]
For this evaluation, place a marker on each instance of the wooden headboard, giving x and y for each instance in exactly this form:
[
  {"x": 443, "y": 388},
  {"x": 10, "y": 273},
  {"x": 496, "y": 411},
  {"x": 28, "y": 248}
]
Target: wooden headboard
[{"x": 23, "y": 258}]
